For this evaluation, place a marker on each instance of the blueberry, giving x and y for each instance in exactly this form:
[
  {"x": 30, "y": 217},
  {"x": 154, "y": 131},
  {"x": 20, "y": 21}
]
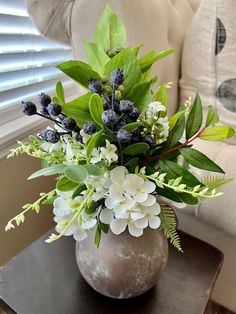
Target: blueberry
[
  {"x": 109, "y": 117},
  {"x": 69, "y": 124},
  {"x": 126, "y": 106},
  {"x": 149, "y": 140},
  {"x": 136, "y": 132},
  {"x": 52, "y": 136},
  {"x": 79, "y": 138},
  {"x": 61, "y": 117},
  {"x": 90, "y": 128},
  {"x": 117, "y": 77},
  {"x": 120, "y": 124},
  {"x": 124, "y": 136},
  {"x": 54, "y": 109},
  {"x": 44, "y": 99},
  {"x": 44, "y": 111},
  {"x": 134, "y": 114},
  {"x": 77, "y": 129},
  {"x": 95, "y": 86},
  {"x": 29, "y": 108}
]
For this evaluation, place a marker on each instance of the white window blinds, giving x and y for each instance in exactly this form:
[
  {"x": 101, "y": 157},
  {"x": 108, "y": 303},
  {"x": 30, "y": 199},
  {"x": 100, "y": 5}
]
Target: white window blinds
[{"x": 27, "y": 59}]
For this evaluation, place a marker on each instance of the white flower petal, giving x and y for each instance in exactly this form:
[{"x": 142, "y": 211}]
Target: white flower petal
[
  {"x": 111, "y": 203},
  {"x": 106, "y": 216},
  {"x": 116, "y": 191},
  {"x": 61, "y": 207},
  {"x": 136, "y": 215},
  {"x": 134, "y": 231},
  {"x": 148, "y": 187},
  {"x": 89, "y": 224},
  {"x": 117, "y": 175},
  {"x": 141, "y": 223},
  {"x": 141, "y": 197},
  {"x": 80, "y": 235},
  {"x": 149, "y": 201},
  {"x": 154, "y": 222},
  {"x": 155, "y": 209},
  {"x": 118, "y": 226}
]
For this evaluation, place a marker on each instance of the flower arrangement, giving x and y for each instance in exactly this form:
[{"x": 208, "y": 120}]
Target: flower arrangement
[{"x": 117, "y": 155}]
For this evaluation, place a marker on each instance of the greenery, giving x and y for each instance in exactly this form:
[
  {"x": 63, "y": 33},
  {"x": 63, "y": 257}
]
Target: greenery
[{"x": 120, "y": 129}]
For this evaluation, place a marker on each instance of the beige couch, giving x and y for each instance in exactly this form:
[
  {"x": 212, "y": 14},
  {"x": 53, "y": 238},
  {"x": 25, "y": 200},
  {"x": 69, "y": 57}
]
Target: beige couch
[{"x": 159, "y": 25}]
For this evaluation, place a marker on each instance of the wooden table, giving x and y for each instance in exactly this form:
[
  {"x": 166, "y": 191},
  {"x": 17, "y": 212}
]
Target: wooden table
[{"x": 44, "y": 279}]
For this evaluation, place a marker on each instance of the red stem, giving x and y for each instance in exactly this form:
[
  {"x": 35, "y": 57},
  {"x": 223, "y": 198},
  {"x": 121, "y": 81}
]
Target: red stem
[{"x": 152, "y": 158}]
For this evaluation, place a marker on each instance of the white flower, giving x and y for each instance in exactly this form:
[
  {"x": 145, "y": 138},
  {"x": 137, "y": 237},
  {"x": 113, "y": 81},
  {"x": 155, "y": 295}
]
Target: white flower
[
  {"x": 147, "y": 215},
  {"x": 108, "y": 153},
  {"x": 95, "y": 156},
  {"x": 136, "y": 187},
  {"x": 165, "y": 126},
  {"x": 85, "y": 137},
  {"x": 50, "y": 147}
]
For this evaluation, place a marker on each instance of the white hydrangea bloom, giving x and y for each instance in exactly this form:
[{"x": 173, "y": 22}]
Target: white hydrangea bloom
[
  {"x": 106, "y": 153},
  {"x": 85, "y": 137},
  {"x": 95, "y": 156}
]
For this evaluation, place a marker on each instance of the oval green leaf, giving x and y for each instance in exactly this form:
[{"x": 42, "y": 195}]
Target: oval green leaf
[
  {"x": 194, "y": 120},
  {"x": 64, "y": 184},
  {"x": 217, "y": 133},
  {"x": 48, "y": 171},
  {"x": 96, "y": 109},
  {"x": 136, "y": 149},
  {"x": 76, "y": 174}
]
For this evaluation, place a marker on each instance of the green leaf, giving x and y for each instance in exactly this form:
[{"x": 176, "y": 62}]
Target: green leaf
[
  {"x": 136, "y": 149},
  {"x": 212, "y": 116},
  {"x": 60, "y": 91},
  {"x": 173, "y": 119},
  {"x": 97, "y": 235},
  {"x": 49, "y": 201},
  {"x": 175, "y": 171},
  {"x": 194, "y": 120},
  {"x": 110, "y": 32},
  {"x": 97, "y": 58},
  {"x": 126, "y": 61},
  {"x": 91, "y": 209},
  {"x": 151, "y": 57},
  {"x": 49, "y": 171},
  {"x": 177, "y": 132},
  {"x": 80, "y": 189},
  {"x": 79, "y": 71},
  {"x": 96, "y": 109},
  {"x": 161, "y": 95},
  {"x": 78, "y": 109},
  {"x": 141, "y": 95},
  {"x": 215, "y": 182},
  {"x": 188, "y": 199},
  {"x": 129, "y": 127},
  {"x": 93, "y": 170},
  {"x": 137, "y": 49},
  {"x": 169, "y": 226},
  {"x": 217, "y": 133},
  {"x": 64, "y": 185},
  {"x": 132, "y": 164},
  {"x": 199, "y": 160},
  {"x": 92, "y": 143},
  {"x": 104, "y": 227},
  {"x": 76, "y": 174}
]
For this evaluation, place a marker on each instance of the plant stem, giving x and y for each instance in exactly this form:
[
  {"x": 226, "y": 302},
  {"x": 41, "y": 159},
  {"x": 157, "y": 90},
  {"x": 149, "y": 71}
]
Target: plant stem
[
  {"x": 113, "y": 96},
  {"x": 121, "y": 153},
  {"x": 153, "y": 158}
]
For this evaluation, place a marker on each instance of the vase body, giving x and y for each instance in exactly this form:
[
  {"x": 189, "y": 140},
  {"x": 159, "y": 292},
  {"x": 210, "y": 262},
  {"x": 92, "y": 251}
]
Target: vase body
[{"x": 123, "y": 266}]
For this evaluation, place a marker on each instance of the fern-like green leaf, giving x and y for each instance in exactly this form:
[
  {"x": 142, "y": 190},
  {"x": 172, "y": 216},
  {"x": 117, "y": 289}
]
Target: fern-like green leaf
[
  {"x": 215, "y": 182},
  {"x": 168, "y": 225}
]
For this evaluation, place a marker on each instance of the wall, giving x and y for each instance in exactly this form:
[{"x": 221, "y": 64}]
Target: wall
[{"x": 16, "y": 191}]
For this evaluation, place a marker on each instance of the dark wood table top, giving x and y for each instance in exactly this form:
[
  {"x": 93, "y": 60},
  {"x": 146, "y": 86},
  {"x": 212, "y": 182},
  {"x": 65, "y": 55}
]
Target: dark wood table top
[{"x": 44, "y": 279}]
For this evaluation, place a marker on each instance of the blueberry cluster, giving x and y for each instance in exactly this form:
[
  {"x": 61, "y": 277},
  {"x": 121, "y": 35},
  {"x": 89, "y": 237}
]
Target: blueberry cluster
[
  {"x": 51, "y": 111},
  {"x": 118, "y": 112}
]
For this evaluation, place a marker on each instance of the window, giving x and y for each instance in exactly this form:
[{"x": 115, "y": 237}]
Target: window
[{"x": 27, "y": 63}]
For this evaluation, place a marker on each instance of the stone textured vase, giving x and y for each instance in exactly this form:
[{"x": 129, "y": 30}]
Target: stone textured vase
[{"x": 123, "y": 266}]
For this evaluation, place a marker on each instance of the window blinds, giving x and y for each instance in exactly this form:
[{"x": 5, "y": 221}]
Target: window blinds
[{"x": 27, "y": 59}]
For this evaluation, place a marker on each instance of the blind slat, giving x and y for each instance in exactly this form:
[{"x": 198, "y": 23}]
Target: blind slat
[
  {"x": 11, "y": 24},
  {"x": 16, "y": 7},
  {"x": 26, "y": 43},
  {"x": 21, "y": 61}
]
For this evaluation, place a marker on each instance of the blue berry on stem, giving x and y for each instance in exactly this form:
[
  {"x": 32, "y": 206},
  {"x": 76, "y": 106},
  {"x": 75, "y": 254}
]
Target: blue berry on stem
[
  {"x": 95, "y": 86},
  {"x": 90, "y": 128},
  {"x": 44, "y": 99},
  {"x": 52, "y": 136},
  {"x": 69, "y": 124},
  {"x": 29, "y": 108},
  {"x": 117, "y": 77},
  {"x": 149, "y": 140},
  {"x": 54, "y": 109},
  {"x": 109, "y": 117},
  {"x": 124, "y": 136},
  {"x": 134, "y": 114},
  {"x": 126, "y": 106}
]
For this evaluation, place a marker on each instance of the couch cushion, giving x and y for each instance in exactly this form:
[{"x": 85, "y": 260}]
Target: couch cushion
[{"x": 209, "y": 67}]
